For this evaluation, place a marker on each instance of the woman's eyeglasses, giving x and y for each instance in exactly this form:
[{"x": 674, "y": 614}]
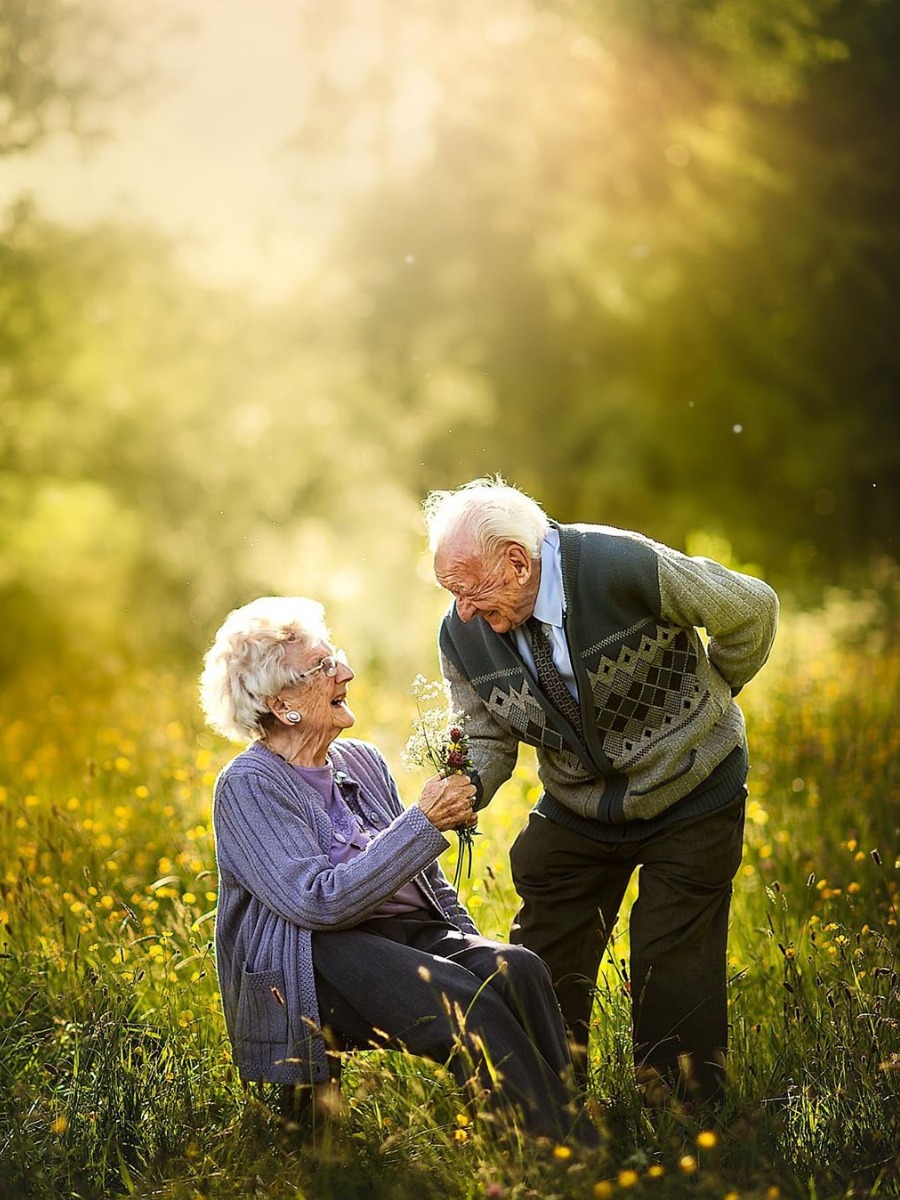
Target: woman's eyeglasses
[{"x": 328, "y": 666}]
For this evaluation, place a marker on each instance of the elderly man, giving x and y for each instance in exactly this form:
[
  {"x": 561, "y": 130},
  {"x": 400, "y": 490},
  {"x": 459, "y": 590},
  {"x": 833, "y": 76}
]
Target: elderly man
[{"x": 582, "y": 641}]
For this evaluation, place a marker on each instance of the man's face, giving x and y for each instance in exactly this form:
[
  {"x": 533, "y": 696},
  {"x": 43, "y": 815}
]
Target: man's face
[{"x": 501, "y": 588}]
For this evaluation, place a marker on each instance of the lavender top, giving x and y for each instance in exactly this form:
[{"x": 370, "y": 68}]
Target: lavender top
[{"x": 351, "y": 834}]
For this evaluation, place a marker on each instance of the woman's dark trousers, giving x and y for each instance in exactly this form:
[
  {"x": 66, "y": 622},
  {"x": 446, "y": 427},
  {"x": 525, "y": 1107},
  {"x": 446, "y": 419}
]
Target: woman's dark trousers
[{"x": 417, "y": 983}]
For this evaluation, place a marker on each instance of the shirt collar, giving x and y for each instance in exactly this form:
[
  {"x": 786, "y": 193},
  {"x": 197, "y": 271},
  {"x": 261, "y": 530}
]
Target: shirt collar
[{"x": 548, "y": 607}]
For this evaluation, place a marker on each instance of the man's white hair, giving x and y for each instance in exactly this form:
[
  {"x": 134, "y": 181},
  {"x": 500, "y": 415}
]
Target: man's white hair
[
  {"x": 491, "y": 511},
  {"x": 245, "y": 663}
]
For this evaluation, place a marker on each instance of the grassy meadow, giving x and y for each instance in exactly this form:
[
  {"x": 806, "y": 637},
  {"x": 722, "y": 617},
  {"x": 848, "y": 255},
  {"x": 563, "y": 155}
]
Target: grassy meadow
[{"x": 116, "y": 1078}]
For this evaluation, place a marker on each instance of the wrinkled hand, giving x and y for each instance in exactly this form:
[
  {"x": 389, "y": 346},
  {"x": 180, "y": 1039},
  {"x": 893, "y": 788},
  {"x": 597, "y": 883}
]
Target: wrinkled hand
[{"x": 447, "y": 801}]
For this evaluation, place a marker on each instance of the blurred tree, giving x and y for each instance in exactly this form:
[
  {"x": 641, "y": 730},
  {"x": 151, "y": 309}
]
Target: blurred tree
[
  {"x": 168, "y": 451},
  {"x": 625, "y": 253},
  {"x": 57, "y": 61},
  {"x": 783, "y": 333}
]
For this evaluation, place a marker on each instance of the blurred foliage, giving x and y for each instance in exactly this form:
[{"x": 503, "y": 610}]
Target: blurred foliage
[
  {"x": 659, "y": 242},
  {"x": 641, "y": 257},
  {"x": 167, "y": 451},
  {"x": 57, "y": 67}
]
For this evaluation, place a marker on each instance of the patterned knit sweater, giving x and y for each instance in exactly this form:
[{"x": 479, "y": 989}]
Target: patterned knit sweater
[
  {"x": 277, "y": 885},
  {"x": 656, "y": 704}
]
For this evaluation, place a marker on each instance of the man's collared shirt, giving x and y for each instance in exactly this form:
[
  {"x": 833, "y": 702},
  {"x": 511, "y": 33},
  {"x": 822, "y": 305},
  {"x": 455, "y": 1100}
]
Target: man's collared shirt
[{"x": 548, "y": 609}]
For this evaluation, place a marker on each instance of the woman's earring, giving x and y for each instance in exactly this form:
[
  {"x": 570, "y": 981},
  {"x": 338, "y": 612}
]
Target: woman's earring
[{"x": 293, "y": 716}]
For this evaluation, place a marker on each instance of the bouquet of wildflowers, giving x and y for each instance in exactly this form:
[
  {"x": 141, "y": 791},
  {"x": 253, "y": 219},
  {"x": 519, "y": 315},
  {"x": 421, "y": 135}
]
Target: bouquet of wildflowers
[{"x": 439, "y": 741}]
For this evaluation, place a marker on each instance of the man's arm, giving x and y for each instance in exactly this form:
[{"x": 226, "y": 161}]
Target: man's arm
[
  {"x": 739, "y": 612},
  {"x": 493, "y": 750}
]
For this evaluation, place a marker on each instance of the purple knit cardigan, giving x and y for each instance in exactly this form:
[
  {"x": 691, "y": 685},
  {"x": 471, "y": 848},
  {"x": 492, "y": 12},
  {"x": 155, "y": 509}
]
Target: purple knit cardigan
[{"x": 276, "y": 885}]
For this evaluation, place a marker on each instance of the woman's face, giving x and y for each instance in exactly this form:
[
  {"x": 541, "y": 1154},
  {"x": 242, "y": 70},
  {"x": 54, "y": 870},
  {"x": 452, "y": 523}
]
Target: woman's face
[{"x": 321, "y": 699}]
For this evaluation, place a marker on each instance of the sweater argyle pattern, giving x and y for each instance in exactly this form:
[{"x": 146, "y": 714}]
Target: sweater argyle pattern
[
  {"x": 656, "y": 703},
  {"x": 277, "y": 886}
]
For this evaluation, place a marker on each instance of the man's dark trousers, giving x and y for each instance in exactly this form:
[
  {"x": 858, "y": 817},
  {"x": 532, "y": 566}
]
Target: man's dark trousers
[{"x": 572, "y": 887}]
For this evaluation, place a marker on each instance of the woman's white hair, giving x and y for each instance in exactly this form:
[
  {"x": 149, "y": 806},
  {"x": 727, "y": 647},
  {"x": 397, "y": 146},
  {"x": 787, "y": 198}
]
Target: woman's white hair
[
  {"x": 245, "y": 663},
  {"x": 491, "y": 511}
]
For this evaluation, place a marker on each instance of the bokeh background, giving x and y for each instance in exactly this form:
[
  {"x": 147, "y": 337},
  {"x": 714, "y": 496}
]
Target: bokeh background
[{"x": 269, "y": 271}]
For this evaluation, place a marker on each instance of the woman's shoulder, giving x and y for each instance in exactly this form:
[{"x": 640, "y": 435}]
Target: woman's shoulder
[
  {"x": 256, "y": 759},
  {"x": 350, "y": 753},
  {"x": 360, "y": 760}
]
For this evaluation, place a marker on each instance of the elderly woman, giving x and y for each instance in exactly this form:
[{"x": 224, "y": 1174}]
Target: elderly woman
[{"x": 334, "y": 918}]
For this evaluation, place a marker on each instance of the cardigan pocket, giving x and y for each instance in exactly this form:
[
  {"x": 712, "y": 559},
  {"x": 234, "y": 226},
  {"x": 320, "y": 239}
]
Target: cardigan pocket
[
  {"x": 669, "y": 778},
  {"x": 262, "y": 1011}
]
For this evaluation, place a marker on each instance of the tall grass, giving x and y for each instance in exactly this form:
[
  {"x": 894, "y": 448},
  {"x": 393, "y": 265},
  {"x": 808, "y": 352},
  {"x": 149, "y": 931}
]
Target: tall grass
[{"x": 115, "y": 1075}]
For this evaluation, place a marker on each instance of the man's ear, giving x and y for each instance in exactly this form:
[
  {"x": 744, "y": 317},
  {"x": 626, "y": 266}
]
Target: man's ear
[{"x": 522, "y": 562}]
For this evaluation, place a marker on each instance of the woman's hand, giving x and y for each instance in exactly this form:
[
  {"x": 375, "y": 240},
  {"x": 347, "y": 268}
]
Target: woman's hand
[{"x": 447, "y": 801}]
